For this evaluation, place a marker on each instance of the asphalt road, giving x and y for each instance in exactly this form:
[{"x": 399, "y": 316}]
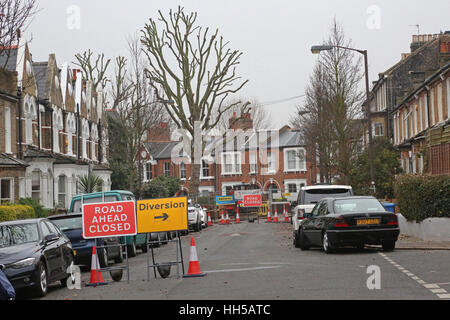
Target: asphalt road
[{"x": 257, "y": 261}]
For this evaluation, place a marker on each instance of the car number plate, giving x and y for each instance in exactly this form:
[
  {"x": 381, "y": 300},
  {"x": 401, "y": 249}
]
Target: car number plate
[
  {"x": 74, "y": 252},
  {"x": 364, "y": 222}
]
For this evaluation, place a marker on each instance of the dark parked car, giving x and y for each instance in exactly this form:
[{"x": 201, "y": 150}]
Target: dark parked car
[
  {"x": 349, "y": 221},
  {"x": 34, "y": 253},
  {"x": 72, "y": 226}
]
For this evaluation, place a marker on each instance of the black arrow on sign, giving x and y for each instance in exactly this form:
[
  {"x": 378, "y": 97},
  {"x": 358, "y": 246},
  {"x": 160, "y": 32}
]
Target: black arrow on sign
[{"x": 164, "y": 217}]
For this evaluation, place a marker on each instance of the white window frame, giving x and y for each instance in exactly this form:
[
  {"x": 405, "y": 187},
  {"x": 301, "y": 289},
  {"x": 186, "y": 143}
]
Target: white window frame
[
  {"x": 253, "y": 161},
  {"x": 182, "y": 168},
  {"x": 234, "y": 164},
  {"x": 63, "y": 194},
  {"x": 164, "y": 169},
  {"x": 300, "y": 165},
  {"x": 202, "y": 176},
  {"x": 228, "y": 184},
  {"x": 146, "y": 178},
  {"x": 440, "y": 105},
  {"x": 8, "y": 130}
]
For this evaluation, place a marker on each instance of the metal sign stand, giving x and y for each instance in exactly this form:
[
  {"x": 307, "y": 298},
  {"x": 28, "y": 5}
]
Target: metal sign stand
[
  {"x": 177, "y": 262},
  {"x": 127, "y": 266}
]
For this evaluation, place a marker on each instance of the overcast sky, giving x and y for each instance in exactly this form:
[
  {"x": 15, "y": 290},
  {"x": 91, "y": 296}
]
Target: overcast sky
[{"x": 274, "y": 36}]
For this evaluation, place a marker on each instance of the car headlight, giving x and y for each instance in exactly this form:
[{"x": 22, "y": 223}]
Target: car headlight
[{"x": 23, "y": 263}]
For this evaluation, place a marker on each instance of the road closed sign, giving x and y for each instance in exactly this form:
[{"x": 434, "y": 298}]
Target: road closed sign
[
  {"x": 112, "y": 219},
  {"x": 160, "y": 215},
  {"x": 252, "y": 200}
]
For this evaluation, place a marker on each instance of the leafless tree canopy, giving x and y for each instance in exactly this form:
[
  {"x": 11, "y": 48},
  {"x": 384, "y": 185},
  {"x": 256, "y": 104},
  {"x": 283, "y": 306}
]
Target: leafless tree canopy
[
  {"x": 194, "y": 67},
  {"x": 137, "y": 107},
  {"x": 329, "y": 116},
  {"x": 14, "y": 18},
  {"x": 93, "y": 70},
  {"x": 261, "y": 118}
]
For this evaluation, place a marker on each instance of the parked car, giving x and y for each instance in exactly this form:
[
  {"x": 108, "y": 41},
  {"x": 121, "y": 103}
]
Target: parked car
[
  {"x": 133, "y": 242},
  {"x": 34, "y": 253},
  {"x": 349, "y": 221},
  {"x": 194, "y": 218},
  {"x": 308, "y": 198},
  {"x": 72, "y": 226}
]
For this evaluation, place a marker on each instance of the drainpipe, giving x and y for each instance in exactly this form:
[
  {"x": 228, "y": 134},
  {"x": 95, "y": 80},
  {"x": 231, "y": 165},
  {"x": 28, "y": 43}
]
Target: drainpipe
[{"x": 19, "y": 105}]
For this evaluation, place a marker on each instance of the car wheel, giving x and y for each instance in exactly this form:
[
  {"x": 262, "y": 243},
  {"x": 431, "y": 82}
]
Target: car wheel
[
  {"x": 326, "y": 243},
  {"x": 132, "y": 249},
  {"x": 103, "y": 258},
  {"x": 40, "y": 288},
  {"x": 302, "y": 240},
  {"x": 119, "y": 258},
  {"x": 388, "y": 245},
  {"x": 296, "y": 240}
]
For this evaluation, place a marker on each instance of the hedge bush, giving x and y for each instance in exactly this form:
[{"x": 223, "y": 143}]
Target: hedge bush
[
  {"x": 16, "y": 212},
  {"x": 421, "y": 197},
  {"x": 39, "y": 210}
]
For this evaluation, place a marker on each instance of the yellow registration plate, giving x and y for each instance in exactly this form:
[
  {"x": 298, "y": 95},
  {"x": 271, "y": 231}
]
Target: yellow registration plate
[
  {"x": 74, "y": 252},
  {"x": 363, "y": 222}
]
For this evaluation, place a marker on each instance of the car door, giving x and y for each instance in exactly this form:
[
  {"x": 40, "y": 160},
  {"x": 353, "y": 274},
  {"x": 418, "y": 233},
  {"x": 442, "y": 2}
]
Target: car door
[
  {"x": 65, "y": 248},
  {"x": 319, "y": 221},
  {"x": 52, "y": 252},
  {"x": 308, "y": 225}
]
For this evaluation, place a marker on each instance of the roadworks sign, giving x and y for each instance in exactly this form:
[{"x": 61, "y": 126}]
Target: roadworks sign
[{"x": 160, "y": 215}]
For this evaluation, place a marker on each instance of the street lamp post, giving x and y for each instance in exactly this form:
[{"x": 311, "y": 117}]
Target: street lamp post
[{"x": 317, "y": 50}]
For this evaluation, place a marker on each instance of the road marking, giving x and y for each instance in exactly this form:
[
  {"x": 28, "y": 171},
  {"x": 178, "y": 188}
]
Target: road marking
[
  {"x": 433, "y": 287},
  {"x": 243, "y": 269},
  {"x": 438, "y": 290}
]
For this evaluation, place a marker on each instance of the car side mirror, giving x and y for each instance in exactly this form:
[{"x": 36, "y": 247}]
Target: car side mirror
[{"x": 51, "y": 237}]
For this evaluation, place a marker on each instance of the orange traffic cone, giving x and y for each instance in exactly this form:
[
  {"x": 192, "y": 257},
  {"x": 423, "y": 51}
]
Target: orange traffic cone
[
  {"x": 275, "y": 219},
  {"x": 96, "y": 275},
  {"x": 286, "y": 216},
  {"x": 269, "y": 218},
  {"x": 227, "y": 219},
  {"x": 222, "y": 219},
  {"x": 194, "y": 266},
  {"x": 209, "y": 220},
  {"x": 238, "y": 220}
]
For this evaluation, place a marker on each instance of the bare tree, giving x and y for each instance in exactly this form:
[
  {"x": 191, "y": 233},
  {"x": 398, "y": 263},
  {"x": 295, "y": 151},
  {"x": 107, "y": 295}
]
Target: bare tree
[
  {"x": 15, "y": 16},
  {"x": 329, "y": 115},
  {"x": 259, "y": 115},
  {"x": 94, "y": 70},
  {"x": 137, "y": 107},
  {"x": 195, "y": 69}
]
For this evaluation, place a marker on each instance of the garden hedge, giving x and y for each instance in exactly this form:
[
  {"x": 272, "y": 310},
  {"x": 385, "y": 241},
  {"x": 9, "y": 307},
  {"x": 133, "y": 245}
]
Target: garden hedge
[
  {"x": 420, "y": 197},
  {"x": 16, "y": 212}
]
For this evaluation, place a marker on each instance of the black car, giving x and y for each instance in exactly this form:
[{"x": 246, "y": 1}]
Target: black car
[
  {"x": 72, "y": 226},
  {"x": 349, "y": 221},
  {"x": 34, "y": 253}
]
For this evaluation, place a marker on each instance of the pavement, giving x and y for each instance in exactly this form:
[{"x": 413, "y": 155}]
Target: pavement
[{"x": 411, "y": 243}]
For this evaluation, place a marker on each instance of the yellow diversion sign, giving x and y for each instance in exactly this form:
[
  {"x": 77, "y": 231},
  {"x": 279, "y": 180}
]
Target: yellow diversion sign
[{"x": 160, "y": 215}]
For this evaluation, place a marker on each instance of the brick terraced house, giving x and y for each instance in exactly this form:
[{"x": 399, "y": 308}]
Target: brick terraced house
[{"x": 267, "y": 159}]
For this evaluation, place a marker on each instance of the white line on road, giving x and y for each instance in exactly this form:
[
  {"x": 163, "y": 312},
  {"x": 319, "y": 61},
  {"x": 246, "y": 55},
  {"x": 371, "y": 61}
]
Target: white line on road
[{"x": 433, "y": 287}]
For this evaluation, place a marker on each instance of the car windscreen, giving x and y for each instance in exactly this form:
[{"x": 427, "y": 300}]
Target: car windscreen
[
  {"x": 16, "y": 234},
  {"x": 357, "y": 205},
  {"x": 313, "y": 196},
  {"x": 77, "y": 203},
  {"x": 69, "y": 223}
]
